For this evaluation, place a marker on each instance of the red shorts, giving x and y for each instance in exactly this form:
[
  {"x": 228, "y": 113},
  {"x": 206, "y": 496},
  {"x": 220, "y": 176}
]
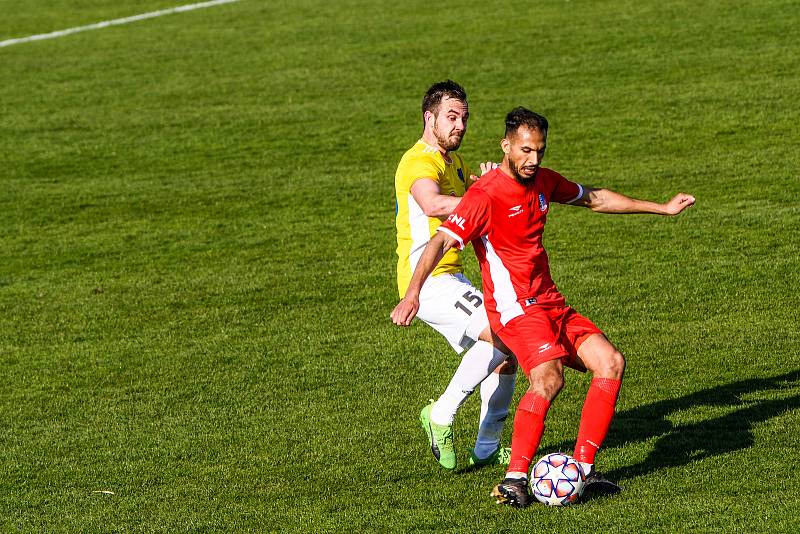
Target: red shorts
[{"x": 546, "y": 333}]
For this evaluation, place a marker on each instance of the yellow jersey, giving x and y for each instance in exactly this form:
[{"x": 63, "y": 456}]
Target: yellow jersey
[{"x": 414, "y": 228}]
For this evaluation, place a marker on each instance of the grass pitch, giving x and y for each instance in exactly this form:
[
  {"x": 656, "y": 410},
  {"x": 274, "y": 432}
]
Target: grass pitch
[{"x": 198, "y": 261}]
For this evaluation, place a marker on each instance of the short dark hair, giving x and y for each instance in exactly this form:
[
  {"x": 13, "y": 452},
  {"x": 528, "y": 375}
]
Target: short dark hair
[
  {"x": 438, "y": 91},
  {"x": 520, "y": 116}
]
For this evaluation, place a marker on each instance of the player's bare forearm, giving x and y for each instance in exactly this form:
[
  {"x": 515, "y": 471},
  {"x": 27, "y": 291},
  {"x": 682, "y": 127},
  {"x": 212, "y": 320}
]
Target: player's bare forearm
[
  {"x": 408, "y": 306},
  {"x": 430, "y": 199},
  {"x": 427, "y": 262},
  {"x": 442, "y": 206},
  {"x": 607, "y": 201}
]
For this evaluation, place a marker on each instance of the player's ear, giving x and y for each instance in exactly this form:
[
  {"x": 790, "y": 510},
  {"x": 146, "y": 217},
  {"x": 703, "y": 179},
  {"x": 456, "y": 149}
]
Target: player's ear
[
  {"x": 428, "y": 118},
  {"x": 505, "y": 144}
]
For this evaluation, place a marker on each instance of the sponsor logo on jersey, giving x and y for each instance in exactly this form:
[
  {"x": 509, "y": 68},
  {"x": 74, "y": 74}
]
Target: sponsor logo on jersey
[
  {"x": 513, "y": 211},
  {"x": 456, "y": 220},
  {"x": 542, "y": 203},
  {"x": 544, "y": 347},
  {"x": 530, "y": 302}
]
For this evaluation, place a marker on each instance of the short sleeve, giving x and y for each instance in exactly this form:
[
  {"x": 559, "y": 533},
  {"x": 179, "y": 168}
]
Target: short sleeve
[
  {"x": 470, "y": 219},
  {"x": 424, "y": 167},
  {"x": 565, "y": 191}
]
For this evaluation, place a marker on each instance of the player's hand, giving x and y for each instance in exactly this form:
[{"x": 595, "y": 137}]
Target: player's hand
[
  {"x": 679, "y": 202},
  {"x": 405, "y": 311},
  {"x": 486, "y": 166}
]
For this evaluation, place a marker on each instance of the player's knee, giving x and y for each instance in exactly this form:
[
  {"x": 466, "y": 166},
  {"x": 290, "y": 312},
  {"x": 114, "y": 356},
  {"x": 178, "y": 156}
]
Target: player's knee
[
  {"x": 546, "y": 382},
  {"x": 613, "y": 365}
]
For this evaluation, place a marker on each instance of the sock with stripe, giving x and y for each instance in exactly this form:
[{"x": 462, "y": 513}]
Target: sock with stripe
[
  {"x": 528, "y": 430},
  {"x": 476, "y": 364},
  {"x": 598, "y": 410}
]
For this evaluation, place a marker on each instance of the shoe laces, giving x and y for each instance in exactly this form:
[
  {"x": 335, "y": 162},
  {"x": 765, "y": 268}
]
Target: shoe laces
[
  {"x": 517, "y": 484},
  {"x": 446, "y": 435}
]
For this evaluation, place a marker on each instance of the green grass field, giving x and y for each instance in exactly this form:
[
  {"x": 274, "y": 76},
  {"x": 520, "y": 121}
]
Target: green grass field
[{"x": 197, "y": 261}]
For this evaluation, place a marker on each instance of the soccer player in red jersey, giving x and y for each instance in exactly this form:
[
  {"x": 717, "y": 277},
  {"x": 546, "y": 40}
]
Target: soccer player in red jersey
[{"x": 503, "y": 215}]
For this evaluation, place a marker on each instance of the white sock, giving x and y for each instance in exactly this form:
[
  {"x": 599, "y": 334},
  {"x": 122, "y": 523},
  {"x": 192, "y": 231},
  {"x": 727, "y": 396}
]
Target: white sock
[
  {"x": 516, "y": 474},
  {"x": 587, "y": 468},
  {"x": 477, "y": 363},
  {"x": 497, "y": 391}
]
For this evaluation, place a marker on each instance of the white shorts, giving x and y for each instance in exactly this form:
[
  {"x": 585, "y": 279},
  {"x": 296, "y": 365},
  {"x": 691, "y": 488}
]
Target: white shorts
[{"x": 454, "y": 308}]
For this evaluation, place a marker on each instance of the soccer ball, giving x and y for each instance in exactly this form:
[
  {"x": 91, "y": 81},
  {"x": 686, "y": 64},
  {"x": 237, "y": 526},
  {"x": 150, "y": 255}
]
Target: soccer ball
[{"x": 557, "y": 480}]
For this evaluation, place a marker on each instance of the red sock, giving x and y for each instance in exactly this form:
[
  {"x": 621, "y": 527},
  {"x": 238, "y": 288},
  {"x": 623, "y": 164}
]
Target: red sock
[
  {"x": 528, "y": 430},
  {"x": 598, "y": 410}
]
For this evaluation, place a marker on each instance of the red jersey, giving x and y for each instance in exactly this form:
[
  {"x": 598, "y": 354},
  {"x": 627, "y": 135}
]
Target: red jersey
[{"x": 504, "y": 220}]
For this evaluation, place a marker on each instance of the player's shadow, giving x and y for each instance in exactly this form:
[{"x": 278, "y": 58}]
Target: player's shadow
[{"x": 743, "y": 404}]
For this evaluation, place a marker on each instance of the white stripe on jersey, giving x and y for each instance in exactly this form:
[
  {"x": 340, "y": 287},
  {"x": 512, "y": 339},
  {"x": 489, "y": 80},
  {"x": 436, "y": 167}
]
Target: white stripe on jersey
[
  {"x": 580, "y": 194},
  {"x": 504, "y": 296},
  {"x": 428, "y": 148},
  {"x": 420, "y": 231}
]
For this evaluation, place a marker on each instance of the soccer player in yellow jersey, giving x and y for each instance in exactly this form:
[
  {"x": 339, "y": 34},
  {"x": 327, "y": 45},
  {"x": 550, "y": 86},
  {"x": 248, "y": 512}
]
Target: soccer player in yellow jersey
[{"x": 430, "y": 181}]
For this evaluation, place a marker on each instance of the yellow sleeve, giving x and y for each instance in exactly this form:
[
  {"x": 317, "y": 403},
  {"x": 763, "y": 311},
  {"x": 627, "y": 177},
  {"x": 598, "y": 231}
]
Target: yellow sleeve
[{"x": 422, "y": 166}]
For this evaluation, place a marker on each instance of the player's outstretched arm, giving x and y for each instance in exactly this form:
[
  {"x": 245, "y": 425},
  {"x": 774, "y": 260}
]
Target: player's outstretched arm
[
  {"x": 607, "y": 201},
  {"x": 408, "y": 306}
]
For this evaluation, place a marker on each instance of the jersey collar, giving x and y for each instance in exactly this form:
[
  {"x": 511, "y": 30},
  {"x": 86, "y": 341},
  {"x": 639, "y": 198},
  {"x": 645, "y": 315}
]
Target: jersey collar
[{"x": 446, "y": 158}]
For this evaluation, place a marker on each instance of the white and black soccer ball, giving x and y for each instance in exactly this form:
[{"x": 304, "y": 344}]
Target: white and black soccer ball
[{"x": 557, "y": 480}]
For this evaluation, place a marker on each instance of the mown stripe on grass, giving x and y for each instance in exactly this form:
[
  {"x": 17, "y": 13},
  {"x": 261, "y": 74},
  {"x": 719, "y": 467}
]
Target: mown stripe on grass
[{"x": 114, "y": 22}]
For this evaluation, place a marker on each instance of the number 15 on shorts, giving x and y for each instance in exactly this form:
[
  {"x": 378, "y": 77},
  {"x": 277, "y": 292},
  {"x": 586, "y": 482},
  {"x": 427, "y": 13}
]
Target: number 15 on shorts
[{"x": 467, "y": 300}]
